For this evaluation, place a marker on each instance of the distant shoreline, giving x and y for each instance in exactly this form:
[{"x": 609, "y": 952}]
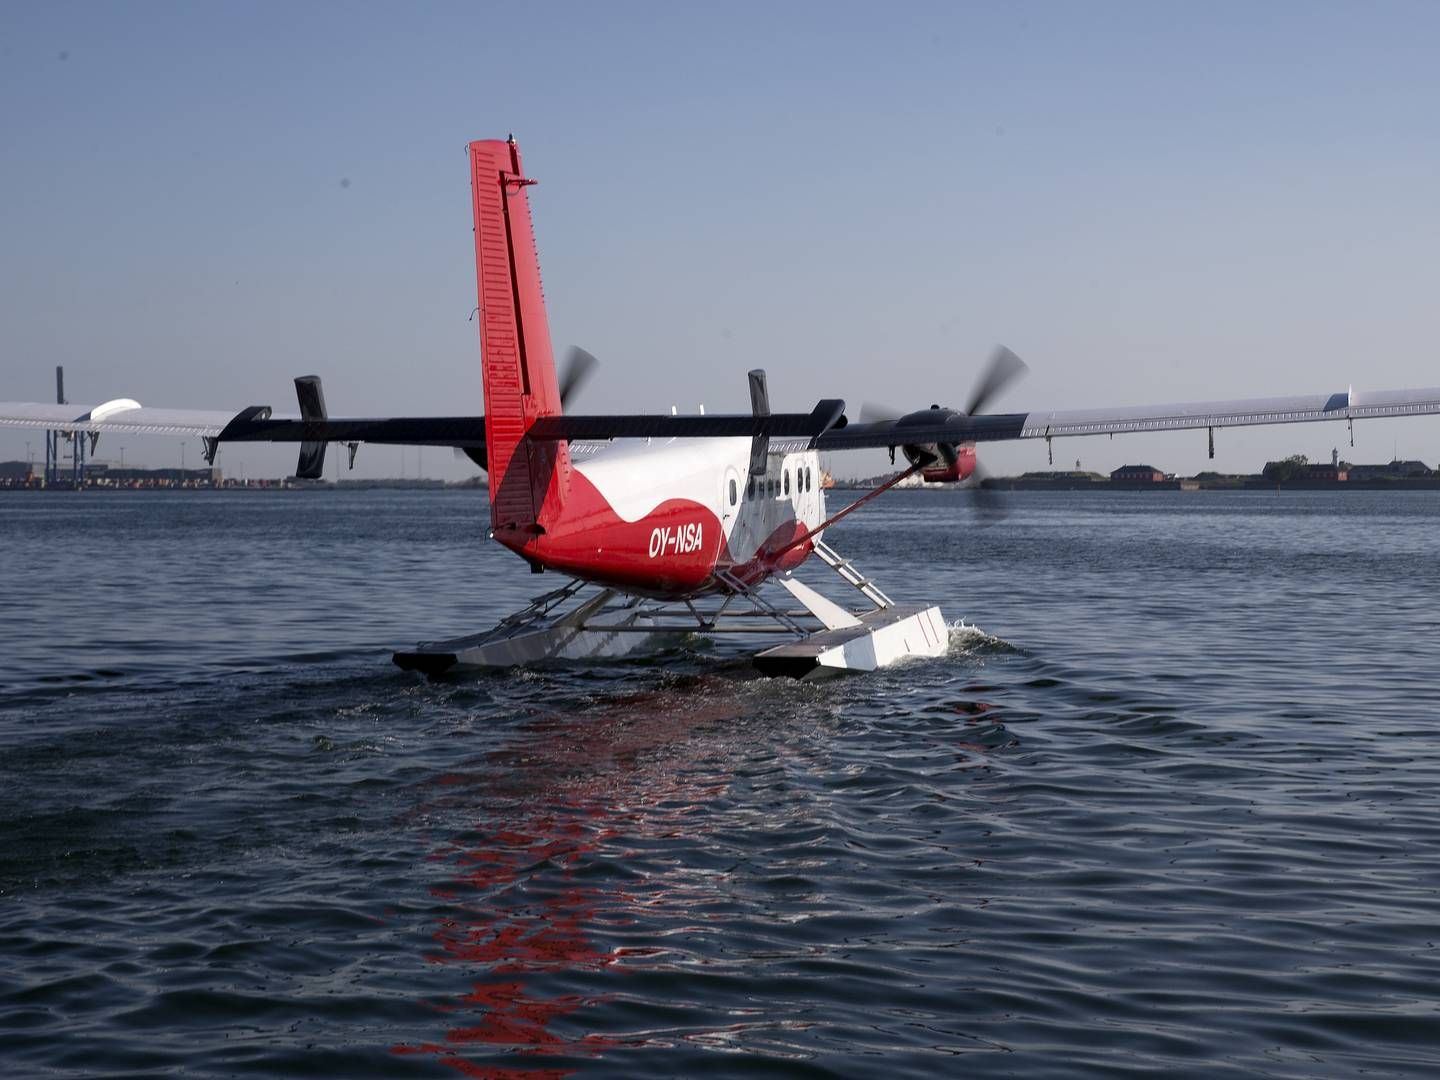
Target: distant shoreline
[
  {"x": 285, "y": 484},
  {"x": 1257, "y": 483},
  {"x": 1001, "y": 483}
]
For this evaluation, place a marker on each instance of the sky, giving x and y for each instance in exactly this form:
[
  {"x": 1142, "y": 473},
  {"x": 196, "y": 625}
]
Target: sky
[{"x": 1149, "y": 202}]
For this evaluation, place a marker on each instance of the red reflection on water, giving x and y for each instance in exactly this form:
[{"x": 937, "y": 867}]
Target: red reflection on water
[{"x": 516, "y": 909}]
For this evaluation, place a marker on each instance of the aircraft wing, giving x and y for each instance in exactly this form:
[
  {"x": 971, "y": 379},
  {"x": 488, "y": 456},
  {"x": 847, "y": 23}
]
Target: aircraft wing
[
  {"x": 247, "y": 425},
  {"x": 313, "y": 429},
  {"x": 951, "y": 427},
  {"x": 121, "y": 416},
  {"x": 824, "y": 428}
]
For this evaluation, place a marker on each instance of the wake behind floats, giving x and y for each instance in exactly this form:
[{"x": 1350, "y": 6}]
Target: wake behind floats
[
  {"x": 671, "y": 525},
  {"x": 672, "y": 535}
]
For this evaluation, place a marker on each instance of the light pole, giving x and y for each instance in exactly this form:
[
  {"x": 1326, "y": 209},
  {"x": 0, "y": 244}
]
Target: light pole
[
  {"x": 122, "y": 457},
  {"x": 182, "y": 463}
]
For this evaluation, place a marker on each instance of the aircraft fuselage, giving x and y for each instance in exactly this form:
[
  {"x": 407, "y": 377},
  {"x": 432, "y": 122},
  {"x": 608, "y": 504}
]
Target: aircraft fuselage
[{"x": 664, "y": 517}]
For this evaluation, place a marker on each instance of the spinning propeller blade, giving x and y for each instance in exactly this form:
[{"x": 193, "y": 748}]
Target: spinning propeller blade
[
  {"x": 991, "y": 507},
  {"x": 871, "y": 413},
  {"x": 579, "y": 366},
  {"x": 1003, "y": 368}
]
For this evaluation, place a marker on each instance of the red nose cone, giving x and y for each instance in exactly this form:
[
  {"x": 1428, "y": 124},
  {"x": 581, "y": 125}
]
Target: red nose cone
[{"x": 949, "y": 474}]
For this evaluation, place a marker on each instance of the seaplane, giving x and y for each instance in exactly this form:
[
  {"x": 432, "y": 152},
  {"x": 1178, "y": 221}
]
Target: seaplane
[{"x": 669, "y": 525}]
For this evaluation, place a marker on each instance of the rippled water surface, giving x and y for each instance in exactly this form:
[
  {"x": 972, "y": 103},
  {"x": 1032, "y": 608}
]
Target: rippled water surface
[{"x": 1175, "y": 809}]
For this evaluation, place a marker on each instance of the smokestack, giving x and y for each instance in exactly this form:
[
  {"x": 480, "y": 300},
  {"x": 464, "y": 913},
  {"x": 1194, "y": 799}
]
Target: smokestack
[{"x": 60, "y": 384}]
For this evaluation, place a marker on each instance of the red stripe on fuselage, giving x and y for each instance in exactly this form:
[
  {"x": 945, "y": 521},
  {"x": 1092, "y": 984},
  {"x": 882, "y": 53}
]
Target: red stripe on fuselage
[{"x": 673, "y": 551}]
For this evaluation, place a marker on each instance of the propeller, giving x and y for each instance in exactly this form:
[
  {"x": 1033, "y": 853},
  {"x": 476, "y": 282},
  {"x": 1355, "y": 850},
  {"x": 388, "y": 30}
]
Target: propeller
[
  {"x": 871, "y": 413},
  {"x": 579, "y": 366},
  {"x": 1001, "y": 369},
  {"x": 990, "y": 506}
]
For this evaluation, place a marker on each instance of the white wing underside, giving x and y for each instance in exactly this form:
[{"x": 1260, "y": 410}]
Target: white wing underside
[
  {"x": 1238, "y": 412},
  {"x": 1301, "y": 408},
  {"x": 123, "y": 416}
]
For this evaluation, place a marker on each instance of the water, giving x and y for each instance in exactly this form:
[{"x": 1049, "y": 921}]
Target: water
[{"x": 1175, "y": 809}]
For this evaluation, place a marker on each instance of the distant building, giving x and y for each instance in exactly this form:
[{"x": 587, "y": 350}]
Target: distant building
[
  {"x": 1394, "y": 470},
  {"x": 1062, "y": 474},
  {"x": 18, "y": 474},
  {"x": 1333, "y": 474},
  {"x": 102, "y": 475},
  {"x": 1137, "y": 474},
  {"x": 1052, "y": 480}
]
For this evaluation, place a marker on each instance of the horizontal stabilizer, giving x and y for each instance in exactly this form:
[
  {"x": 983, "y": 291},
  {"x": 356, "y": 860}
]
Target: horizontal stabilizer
[
  {"x": 822, "y": 418},
  {"x": 466, "y": 432}
]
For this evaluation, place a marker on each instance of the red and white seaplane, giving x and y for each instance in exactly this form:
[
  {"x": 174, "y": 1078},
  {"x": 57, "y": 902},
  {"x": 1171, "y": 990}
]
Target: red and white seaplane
[{"x": 665, "y": 524}]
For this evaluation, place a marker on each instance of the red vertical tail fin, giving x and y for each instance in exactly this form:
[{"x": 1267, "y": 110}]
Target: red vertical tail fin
[{"x": 527, "y": 479}]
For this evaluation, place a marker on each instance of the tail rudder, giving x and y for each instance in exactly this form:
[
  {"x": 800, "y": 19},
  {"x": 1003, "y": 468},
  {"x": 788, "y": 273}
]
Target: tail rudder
[{"x": 518, "y": 366}]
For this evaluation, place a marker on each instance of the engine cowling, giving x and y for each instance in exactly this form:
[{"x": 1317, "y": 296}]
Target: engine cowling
[
  {"x": 946, "y": 471},
  {"x": 940, "y": 463}
]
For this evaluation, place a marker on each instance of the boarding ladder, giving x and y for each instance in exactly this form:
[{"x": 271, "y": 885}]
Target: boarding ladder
[{"x": 846, "y": 569}]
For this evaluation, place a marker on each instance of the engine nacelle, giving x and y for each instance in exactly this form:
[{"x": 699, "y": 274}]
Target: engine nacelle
[
  {"x": 945, "y": 472},
  {"x": 939, "y": 464}
]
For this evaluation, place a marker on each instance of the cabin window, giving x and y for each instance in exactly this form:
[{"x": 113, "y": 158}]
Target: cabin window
[
  {"x": 807, "y": 477},
  {"x": 750, "y": 488},
  {"x": 734, "y": 492},
  {"x": 787, "y": 481}
]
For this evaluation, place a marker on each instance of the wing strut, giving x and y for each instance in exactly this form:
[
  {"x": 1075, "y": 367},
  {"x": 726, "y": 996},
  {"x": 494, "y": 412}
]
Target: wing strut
[{"x": 812, "y": 533}]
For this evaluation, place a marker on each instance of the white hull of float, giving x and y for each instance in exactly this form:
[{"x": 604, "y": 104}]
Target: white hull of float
[
  {"x": 826, "y": 638},
  {"x": 595, "y": 630},
  {"x": 882, "y": 637}
]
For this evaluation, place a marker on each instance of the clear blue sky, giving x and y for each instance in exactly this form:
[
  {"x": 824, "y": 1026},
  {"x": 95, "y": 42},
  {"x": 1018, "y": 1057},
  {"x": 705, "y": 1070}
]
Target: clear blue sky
[{"x": 1148, "y": 201}]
